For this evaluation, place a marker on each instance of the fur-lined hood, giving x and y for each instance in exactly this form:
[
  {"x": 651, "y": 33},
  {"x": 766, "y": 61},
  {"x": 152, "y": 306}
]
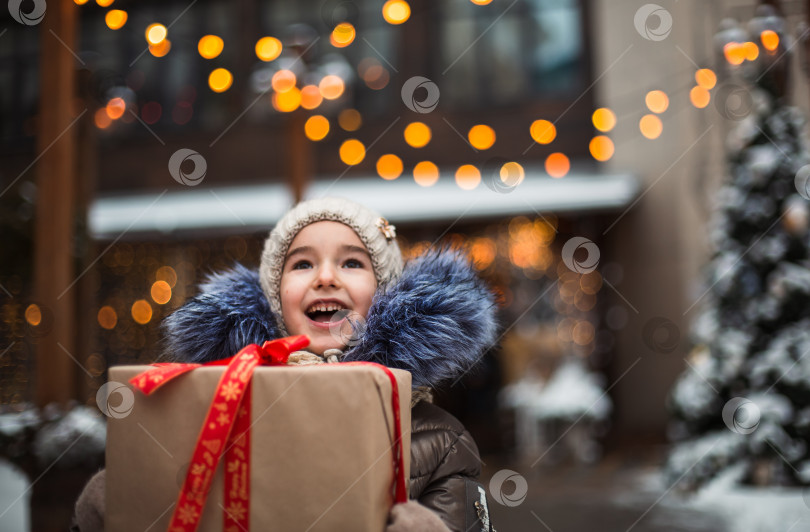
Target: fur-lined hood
[{"x": 435, "y": 321}]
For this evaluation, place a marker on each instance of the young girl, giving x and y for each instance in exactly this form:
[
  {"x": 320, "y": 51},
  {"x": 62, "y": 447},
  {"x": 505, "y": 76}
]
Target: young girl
[{"x": 329, "y": 267}]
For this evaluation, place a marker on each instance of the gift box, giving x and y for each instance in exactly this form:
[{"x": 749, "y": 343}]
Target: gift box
[{"x": 320, "y": 453}]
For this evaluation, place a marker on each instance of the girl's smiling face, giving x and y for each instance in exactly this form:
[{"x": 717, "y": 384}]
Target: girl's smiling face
[{"x": 327, "y": 267}]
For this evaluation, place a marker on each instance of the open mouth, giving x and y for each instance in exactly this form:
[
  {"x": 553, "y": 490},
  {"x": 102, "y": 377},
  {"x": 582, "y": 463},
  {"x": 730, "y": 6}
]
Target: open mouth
[{"x": 327, "y": 313}]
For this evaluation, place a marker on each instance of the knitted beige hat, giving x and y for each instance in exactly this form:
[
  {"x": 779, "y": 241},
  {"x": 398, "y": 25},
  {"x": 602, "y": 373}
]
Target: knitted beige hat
[{"x": 374, "y": 231}]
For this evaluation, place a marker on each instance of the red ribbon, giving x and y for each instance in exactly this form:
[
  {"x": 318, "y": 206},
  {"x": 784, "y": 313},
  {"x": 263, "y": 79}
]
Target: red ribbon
[{"x": 227, "y": 430}]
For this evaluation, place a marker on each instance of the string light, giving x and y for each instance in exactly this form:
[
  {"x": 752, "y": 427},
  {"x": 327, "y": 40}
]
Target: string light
[
  {"x": 115, "y": 19},
  {"x": 468, "y": 177},
  {"x": 156, "y": 33},
  {"x": 268, "y": 48},
  {"x": 389, "y": 166},
  {"x": 651, "y": 126},
  {"x": 316, "y": 127},
  {"x": 220, "y": 80},
  {"x": 396, "y": 11},
  {"x": 425, "y": 173},
  {"x": 601, "y": 148},
  {"x": 657, "y": 101},
  {"x": 352, "y": 152},
  {"x": 543, "y": 131},
  {"x": 481, "y": 136},
  {"x": 343, "y": 35},
  {"x": 210, "y": 46},
  {"x": 417, "y": 134},
  {"x": 350, "y": 119},
  {"x": 557, "y": 165},
  {"x": 706, "y": 78},
  {"x": 603, "y": 119}
]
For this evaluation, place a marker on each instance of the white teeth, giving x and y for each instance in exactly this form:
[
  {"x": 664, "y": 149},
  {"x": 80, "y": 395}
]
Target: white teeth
[{"x": 328, "y": 307}]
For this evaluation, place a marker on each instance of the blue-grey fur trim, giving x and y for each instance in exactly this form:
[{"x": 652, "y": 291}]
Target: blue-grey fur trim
[{"x": 435, "y": 321}]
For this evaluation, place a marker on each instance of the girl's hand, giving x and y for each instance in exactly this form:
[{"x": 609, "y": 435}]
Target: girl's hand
[{"x": 413, "y": 517}]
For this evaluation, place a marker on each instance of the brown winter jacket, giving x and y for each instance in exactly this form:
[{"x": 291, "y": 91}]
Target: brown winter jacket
[{"x": 444, "y": 464}]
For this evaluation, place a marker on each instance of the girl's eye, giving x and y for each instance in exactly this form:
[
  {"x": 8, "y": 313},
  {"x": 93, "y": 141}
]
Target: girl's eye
[
  {"x": 300, "y": 264},
  {"x": 355, "y": 262}
]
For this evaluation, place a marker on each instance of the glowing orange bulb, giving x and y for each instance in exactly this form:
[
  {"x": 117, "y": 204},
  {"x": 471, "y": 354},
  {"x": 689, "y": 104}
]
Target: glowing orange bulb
[
  {"x": 155, "y": 33},
  {"x": 104, "y": 3},
  {"x": 107, "y": 317},
  {"x": 601, "y": 148},
  {"x": 603, "y": 119},
  {"x": 699, "y": 97},
  {"x": 352, "y": 152},
  {"x": 141, "y": 311},
  {"x": 770, "y": 40},
  {"x": 283, "y": 80},
  {"x": 287, "y": 101},
  {"x": 311, "y": 97},
  {"x": 102, "y": 119},
  {"x": 543, "y": 131},
  {"x": 33, "y": 314},
  {"x": 160, "y": 49},
  {"x": 425, "y": 173},
  {"x": 220, "y": 80},
  {"x": 389, "y": 166},
  {"x": 734, "y": 53},
  {"x": 331, "y": 87},
  {"x": 417, "y": 134},
  {"x": 316, "y": 127},
  {"x": 751, "y": 50},
  {"x": 161, "y": 292},
  {"x": 557, "y": 165},
  {"x": 116, "y": 108},
  {"x": 657, "y": 101},
  {"x": 467, "y": 177},
  {"x": 650, "y": 126},
  {"x": 268, "y": 48},
  {"x": 343, "y": 35},
  {"x": 210, "y": 46},
  {"x": 115, "y": 19},
  {"x": 396, "y": 11},
  {"x": 706, "y": 78},
  {"x": 481, "y": 137}
]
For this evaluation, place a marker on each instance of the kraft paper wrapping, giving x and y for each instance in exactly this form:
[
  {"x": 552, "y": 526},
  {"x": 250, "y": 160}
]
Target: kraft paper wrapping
[{"x": 321, "y": 449}]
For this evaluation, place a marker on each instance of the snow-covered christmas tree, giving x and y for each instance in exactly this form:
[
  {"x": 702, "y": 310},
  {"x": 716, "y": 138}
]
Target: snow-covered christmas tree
[{"x": 744, "y": 400}]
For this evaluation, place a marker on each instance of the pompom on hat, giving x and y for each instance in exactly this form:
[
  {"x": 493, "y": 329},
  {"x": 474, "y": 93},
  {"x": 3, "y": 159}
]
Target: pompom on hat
[{"x": 374, "y": 231}]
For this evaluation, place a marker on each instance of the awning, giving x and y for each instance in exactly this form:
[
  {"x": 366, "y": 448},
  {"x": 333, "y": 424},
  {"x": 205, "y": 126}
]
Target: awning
[{"x": 242, "y": 209}]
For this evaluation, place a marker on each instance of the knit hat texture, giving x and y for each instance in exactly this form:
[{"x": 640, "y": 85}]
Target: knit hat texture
[{"x": 374, "y": 231}]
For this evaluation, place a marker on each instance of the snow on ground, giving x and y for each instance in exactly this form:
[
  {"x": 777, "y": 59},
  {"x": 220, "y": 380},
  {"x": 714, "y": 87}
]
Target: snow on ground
[{"x": 742, "y": 508}]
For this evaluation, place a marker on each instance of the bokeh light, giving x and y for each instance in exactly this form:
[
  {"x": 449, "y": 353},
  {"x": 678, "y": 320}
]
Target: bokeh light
[
  {"x": 734, "y": 53},
  {"x": 220, "y": 80},
  {"x": 601, "y": 148},
  {"x": 115, "y": 19},
  {"x": 706, "y": 78},
  {"x": 770, "y": 40},
  {"x": 160, "y": 49},
  {"x": 102, "y": 119},
  {"x": 168, "y": 274},
  {"x": 396, "y": 11},
  {"x": 116, "y": 108},
  {"x": 352, "y": 152},
  {"x": 331, "y": 87},
  {"x": 316, "y": 127},
  {"x": 481, "y": 136},
  {"x": 481, "y": 2},
  {"x": 603, "y": 119},
  {"x": 287, "y": 101},
  {"x": 107, "y": 317},
  {"x": 468, "y": 177},
  {"x": 425, "y": 173},
  {"x": 512, "y": 173},
  {"x": 543, "y": 131},
  {"x": 210, "y": 46},
  {"x": 417, "y": 134},
  {"x": 283, "y": 80},
  {"x": 350, "y": 119},
  {"x": 155, "y": 33},
  {"x": 105, "y": 3},
  {"x": 141, "y": 311},
  {"x": 268, "y": 48},
  {"x": 343, "y": 35},
  {"x": 311, "y": 97},
  {"x": 699, "y": 97},
  {"x": 657, "y": 101},
  {"x": 751, "y": 50},
  {"x": 389, "y": 166},
  {"x": 33, "y": 314},
  {"x": 557, "y": 165},
  {"x": 80, "y": 2},
  {"x": 161, "y": 292},
  {"x": 651, "y": 126}
]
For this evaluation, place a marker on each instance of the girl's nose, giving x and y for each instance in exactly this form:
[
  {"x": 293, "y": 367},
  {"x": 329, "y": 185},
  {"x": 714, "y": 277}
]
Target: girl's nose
[{"x": 327, "y": 275}]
